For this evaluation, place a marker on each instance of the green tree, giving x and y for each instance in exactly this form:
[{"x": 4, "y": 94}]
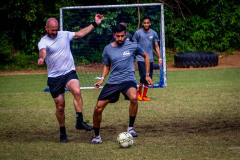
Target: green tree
[{"x": 191, "y": 25}]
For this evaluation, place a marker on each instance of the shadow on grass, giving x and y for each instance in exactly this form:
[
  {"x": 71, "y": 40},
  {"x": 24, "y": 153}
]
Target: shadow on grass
[{"x": 110, "y": 132}]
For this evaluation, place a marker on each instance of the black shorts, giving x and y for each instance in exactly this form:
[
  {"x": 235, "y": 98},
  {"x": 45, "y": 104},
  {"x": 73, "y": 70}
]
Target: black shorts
[
  {"x": 112, "y": 91},
  {"x": 142, "y": 71},
  {"x": 57, "y": 84}
]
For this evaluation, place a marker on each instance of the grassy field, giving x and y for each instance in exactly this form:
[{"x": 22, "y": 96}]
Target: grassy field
[{"x": 196, "y": 117}]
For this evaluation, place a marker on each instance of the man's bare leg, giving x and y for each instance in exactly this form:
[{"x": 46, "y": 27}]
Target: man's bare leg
[
  {"x": 74, "y": 87},
  {"x": 133, "y": 108},
  {"x": 60, "y": 106},
  {"x": 97, "y": 118}
]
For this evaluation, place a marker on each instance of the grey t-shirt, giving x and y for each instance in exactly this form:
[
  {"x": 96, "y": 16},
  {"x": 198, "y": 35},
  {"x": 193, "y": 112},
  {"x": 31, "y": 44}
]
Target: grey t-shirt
[
  {"x": 146, "y": 40},
  {"x": 121, "y": 59}
]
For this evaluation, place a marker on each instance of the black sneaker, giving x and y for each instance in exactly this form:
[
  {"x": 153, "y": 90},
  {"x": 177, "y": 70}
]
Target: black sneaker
[
  {"x": 83, "y": 125},
  {"x": 63, "y": 138}
]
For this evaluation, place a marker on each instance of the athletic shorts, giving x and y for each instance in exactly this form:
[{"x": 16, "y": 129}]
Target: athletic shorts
[
  {"x": 57, "y": 84},
  {"x": 112, "y": 91},
  {"x": 142, "y": 71}
]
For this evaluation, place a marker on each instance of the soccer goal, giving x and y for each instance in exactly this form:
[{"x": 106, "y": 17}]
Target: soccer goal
[{"x": 87, "y": 51}]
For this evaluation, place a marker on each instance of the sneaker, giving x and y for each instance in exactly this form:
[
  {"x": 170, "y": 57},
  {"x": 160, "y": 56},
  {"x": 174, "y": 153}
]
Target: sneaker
[
  {"x": 132, "y": 131},
  {"x": 146, "y": 99},
  {"x": 83, "y": 125},
  {"x": 63, "y": 138},
  {"x": 139, "y": 96},
  {"x": 96, "y": 140}
]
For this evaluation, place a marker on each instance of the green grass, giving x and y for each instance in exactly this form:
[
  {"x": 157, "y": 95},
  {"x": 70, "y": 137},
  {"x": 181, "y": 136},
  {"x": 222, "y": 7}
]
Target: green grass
[{"x": 196, "y": 117}]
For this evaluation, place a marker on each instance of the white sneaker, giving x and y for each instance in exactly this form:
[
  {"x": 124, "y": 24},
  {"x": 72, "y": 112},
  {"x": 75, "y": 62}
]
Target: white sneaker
[
  {"x": 132, "y": 131},
  {"x": 96, "y": 140}
]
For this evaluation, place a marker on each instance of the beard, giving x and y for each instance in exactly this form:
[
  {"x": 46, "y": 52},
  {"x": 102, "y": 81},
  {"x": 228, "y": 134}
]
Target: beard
[
  {"x": 146, "y": 28},
  {"x": 52, "y": 35},
  {"x": 120, "y": 43}
]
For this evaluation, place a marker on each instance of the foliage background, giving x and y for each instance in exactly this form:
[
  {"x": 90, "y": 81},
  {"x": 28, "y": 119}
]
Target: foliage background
[
  {"x": 191, "y": 25},
  {"x": 89, "y": 48}
]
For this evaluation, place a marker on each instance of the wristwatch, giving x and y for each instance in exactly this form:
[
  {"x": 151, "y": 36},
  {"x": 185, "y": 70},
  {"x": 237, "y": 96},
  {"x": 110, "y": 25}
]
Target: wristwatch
[{"x": 147, "y": 74}]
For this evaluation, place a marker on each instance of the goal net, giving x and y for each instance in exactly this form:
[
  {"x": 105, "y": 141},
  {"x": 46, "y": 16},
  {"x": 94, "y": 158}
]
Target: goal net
[{"x": 87, "y": 52}]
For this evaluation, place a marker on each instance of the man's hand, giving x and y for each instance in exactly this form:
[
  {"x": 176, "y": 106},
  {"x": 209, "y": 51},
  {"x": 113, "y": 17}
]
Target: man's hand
[
  {"x": 149, "y": 80},
  {"x": 40, "y": 61},
  {"x": 96, "y": 85},
  {"x": 160, "y": 63},
  {"x": 42, "y": 56},
  {"x": 98, "y": 18}
]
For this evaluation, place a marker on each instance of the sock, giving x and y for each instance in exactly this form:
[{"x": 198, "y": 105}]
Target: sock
[
  {"x": 145, "y": 90},
  {"x": 131, "y": 120},
  {"x": 79, "y": 116},
  {"x": 96, "y": 131},
  {"x": 140, "y": 87},
  {"x": 62, "y": 130}
]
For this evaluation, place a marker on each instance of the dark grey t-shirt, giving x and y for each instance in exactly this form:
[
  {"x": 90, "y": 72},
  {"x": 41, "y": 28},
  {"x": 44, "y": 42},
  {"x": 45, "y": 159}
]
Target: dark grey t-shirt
[
  {"x": 121, "y": 59},
  {"x": 146, "y": 41}
]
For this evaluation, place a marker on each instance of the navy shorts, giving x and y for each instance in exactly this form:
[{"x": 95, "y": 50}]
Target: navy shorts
[
  {"x": 112, "y": 91},
  {"x": 142, "y": 71},
  {"x": 57, "y": 84}
]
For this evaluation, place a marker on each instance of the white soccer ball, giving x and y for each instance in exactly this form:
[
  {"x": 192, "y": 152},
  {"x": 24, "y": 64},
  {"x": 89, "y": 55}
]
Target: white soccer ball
[{"x": 125, "y": 140}]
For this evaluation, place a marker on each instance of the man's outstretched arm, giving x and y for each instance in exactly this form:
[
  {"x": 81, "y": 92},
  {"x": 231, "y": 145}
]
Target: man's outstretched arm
[{"x": 83, "y": 32}]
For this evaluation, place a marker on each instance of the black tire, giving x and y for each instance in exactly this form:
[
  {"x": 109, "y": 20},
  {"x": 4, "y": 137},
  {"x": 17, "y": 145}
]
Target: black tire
[{"x": 196, "y": 59}]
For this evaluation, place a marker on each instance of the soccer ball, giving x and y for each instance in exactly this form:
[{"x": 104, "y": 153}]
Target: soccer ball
[{"x": 125, "y": 140}]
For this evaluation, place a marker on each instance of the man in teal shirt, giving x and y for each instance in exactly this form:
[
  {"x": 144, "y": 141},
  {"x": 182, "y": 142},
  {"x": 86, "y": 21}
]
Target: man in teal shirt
[{"x": 148, "y": 40}]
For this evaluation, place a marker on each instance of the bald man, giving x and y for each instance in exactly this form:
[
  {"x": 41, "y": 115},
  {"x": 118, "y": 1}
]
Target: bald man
[{"x": 54, "y": 49}]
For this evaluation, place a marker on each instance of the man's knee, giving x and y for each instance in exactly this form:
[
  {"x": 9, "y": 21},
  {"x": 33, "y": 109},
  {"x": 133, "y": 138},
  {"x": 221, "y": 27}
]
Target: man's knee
[
  {"x": 134, "y": 101},
  {"x": 133, "y": 97},
  {"x": 98, "y": 110},
  {"x": 76, "y": 92},
  {"x": 60, "y": 108}
]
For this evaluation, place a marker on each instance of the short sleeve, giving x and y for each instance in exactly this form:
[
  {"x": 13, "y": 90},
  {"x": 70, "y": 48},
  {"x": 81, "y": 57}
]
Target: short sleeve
[
  {"x": 156, "y": 39},
  {"x": 41, "y": 45},
  {"x": 105, "y": 57},
  {"x": 71, "y": 35},
  {"x": 139, "y": 50},
  {"x": 134, "y": 38}
]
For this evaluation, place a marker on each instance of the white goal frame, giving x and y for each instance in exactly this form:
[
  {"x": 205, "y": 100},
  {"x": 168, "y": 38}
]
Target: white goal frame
[{"x": 163, "y": 70}]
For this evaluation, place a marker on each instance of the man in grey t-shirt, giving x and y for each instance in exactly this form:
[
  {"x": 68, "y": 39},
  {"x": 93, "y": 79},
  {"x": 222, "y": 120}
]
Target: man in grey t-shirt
[
  {"x": 119, "y": 56},
  {"x": 128, "y": 35},
  {"x": 148, "y": 40}
]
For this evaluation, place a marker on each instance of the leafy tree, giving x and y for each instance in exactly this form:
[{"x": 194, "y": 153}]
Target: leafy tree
[
  {"x": 191, "y": 25},
  {"x": 203, "y": 25}
]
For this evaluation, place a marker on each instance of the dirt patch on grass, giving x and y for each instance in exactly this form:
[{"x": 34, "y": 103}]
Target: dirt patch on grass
[{"x": 224, "y": 61}]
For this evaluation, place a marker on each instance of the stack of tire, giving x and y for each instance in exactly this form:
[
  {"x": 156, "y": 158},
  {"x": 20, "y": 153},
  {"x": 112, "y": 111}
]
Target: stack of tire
[{"x": 196, "y": 59}]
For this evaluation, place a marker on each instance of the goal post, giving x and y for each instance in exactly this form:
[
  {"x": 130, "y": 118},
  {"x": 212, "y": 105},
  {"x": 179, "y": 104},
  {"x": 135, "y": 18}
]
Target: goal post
[{"x": 87, "y": 52}]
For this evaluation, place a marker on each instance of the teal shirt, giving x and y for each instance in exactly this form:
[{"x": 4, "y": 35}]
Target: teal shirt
[
  {"x": 121, "y": 59},
  {"x": 146, "y": 40}
]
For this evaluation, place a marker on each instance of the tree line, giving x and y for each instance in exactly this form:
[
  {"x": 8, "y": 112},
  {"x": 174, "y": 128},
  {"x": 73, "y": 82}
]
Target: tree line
[{"x": 190, "y": 25}]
